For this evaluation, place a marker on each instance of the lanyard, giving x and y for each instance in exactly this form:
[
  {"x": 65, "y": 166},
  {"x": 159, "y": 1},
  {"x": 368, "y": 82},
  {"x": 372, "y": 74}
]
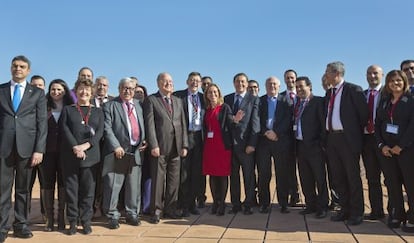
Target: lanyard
[
  {"x": 391, "y": 111},
  {"x": 298, "y": 112},
  {"x": 85, "y": 119}
]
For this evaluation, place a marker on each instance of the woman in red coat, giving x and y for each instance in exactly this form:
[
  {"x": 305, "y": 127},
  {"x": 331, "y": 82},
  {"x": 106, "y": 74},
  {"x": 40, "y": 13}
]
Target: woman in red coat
[{"x": 217, "y": 145}]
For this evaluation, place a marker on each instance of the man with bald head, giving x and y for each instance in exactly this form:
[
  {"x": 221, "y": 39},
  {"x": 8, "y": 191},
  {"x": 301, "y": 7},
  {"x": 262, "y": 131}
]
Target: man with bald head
[
  {"x": 167, "y": 138},
  {"x": 274, "y": 142},
  {"x": 370, "y": 153}
]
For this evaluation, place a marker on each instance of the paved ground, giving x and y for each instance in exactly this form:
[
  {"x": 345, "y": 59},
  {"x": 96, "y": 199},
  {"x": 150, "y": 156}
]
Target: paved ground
[{"x": 272, "y": 227}]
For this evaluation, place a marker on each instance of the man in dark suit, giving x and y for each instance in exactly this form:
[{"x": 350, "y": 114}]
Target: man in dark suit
[
  {"x": 244, "y": 134},
  {"x": 346, "y": 116},
  {"x": 101, "y": 96},
  {"x": 370, "y": 153},
  {"x": 289, "y": 95},
  {"x": 309, "y": 128},
  {"x": 407, "y": 66},
  {"x": 193, "y": 183},
  {"x": 124, "y": 133},
  {"x": 274, "y": 142},
  {"x": 167, "y": 140},
  {"x": 23, "y": 131}
]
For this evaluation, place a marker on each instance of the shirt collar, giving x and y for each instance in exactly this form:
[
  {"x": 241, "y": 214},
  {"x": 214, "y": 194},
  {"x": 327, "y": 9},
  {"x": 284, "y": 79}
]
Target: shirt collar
[{"x": 23, "y": 84}]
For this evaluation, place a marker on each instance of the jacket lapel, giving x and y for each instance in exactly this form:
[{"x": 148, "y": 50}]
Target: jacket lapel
[{"x": 120, "y": 109}]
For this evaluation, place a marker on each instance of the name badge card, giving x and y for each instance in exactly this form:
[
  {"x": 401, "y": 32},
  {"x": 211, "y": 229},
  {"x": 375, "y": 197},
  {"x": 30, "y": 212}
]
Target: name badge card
[
  {"x": 391, "y": 128},
  {"x": 210, "y": 134}
]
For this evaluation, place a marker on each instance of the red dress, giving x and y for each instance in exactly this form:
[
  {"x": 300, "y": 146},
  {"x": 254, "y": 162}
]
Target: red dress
[{"x": 216, "y": 159}]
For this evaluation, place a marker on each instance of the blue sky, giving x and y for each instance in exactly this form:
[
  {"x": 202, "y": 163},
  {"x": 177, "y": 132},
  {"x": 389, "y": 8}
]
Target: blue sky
[{"x": 217, "y": 38}]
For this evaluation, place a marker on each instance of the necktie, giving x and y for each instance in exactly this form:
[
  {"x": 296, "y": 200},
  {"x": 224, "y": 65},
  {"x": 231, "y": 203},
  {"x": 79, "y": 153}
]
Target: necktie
[
  {"x": 168, "y": 104},
  {"x": 100, "y": 99},
  {"x": 371, "y": 98},
  {"x": 133, "y": 121},
  {"x": 330, "y": 108},
  {"x": 16, "y": 97},
  {"x": 298, "y": 115},
  {"x": 194, "y": 110},
  {"x": 236, "y": 105}
]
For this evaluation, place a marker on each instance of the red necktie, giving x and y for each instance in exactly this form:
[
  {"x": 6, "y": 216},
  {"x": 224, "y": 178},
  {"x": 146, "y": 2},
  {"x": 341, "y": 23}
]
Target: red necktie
[
  {"x": 133, "y": 121},
  {"x": 371, "y": 98}
]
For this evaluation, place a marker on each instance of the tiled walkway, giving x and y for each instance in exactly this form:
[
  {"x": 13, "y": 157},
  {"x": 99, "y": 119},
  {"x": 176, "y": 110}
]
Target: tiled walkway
[{"x": 272, "y": 227}]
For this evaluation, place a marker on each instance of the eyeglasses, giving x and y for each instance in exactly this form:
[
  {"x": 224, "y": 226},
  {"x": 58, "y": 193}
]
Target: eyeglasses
[
  {"x": 408, "y": 68},
  {"x": 128, "y": 89},
  {"x": 253, "y": 87}
]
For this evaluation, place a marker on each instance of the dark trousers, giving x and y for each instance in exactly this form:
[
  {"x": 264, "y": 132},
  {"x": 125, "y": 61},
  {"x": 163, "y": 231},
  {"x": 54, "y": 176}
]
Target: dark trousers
[
  {"x": 36, "y": 172},
  {"x": 292, "y": 176},
  {"x": 51, "y": 171},
  {"x": 245, "y": 161},
  {"x": 267, "y": 152},
  {"x": 14, "y": 168},
  {"x": 345, "y": 172},
  {"x": 371, "y": 157},
  {"x": 398, "y": 171},
  {"x": 312, "y": 175},
  {"x": 191, "y": 177},
  {"x": 218, "y": 187},
  {"x": 165, "y": 181},
  {"x": 80, "y": 190}
]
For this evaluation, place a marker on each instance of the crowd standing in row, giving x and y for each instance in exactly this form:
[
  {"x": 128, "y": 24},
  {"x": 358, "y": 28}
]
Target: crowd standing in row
[{"x": 151, "y": 154}]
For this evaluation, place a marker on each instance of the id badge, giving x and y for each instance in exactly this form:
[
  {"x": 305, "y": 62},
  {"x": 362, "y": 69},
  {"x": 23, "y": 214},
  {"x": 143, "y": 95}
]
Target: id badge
[
  {"x": 197, "y": 122},
  {"x": 295, "y": 127},
  {"x": 391, "y": 128},
  {"x": 210, "y": 134}
]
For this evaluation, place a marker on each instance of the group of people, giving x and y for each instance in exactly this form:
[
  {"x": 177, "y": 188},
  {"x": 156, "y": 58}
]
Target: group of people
[{"x": 151, "y": 153}]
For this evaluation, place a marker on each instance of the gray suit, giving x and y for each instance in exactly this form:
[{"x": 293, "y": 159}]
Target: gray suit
[
  {"x": 21, "y": 133},
  {"x": 117, "y": 135},
  {"x": 168, "y": 132}
]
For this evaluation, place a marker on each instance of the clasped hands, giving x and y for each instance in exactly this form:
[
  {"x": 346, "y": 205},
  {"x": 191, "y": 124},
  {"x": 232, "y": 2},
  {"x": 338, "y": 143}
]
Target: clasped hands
[
  {"x": 388, "y": 152},
  {"x": 79, "y": 150}
]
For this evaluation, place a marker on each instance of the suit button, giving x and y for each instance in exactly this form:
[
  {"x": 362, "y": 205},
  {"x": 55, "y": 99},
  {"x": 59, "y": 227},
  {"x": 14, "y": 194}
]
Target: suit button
[{"x": 15, "y": 117}]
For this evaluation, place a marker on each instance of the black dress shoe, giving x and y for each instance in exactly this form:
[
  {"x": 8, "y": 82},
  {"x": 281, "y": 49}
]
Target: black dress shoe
[
  {"x": 394, "y": 223},
  {"x": 87, "y": 229},
  {"x": 155, "y": 219},
  {"x": 284, "y": 210},
  {"x": 264, "y": 209},
  {"x": 234, "y": 210},
  {"x": 355, "y": 220},
  {"x": 194, "y": 211},
  {"x": 221, "y": 210},
  {"x": 294, "y": 199},
  {"x": 340, "y": 216},
  {"x": 247, "y": 210},
  {"x": 72, "y": 228},
  {"x": 24, "y": 233},
  {"x": 407, "y": 227},
  {"x": 321, "y": 214},
  {"x": 134, "y": 221},
  {"x": 375, "y": 216},
  {"x": 214, "y": 209},
  {"x": 201, "y": 204},
  {"x": 113, "y": 224},
  {"x": 307, "y": 210},
  {"x": 172, "y": 216}
]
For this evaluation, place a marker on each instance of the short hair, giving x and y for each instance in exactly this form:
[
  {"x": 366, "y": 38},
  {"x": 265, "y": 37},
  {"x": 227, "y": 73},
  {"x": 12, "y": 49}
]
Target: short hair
[
  {"x": 206, "y": 77},
  {"x": 254, "y": 82},
  {"x": 337, "y": 67},
  {"x": 85, "y": 68},
  {"x": 144, "y": 89},
  {"x": 405, "y": 62},
  {"x": 85, "y": 82},
  {"x": 290, "y": 70},
  {"x": 100, "y": 78},
  {"x": 220, "y": 99},
  {"x": 23, "y": 59},
  {"x": 194, "y": 74},
  {"x": 126, "y": 80},
  {"x": 392, "y": 74},
  {"x": 304, "y": 78},
  {"x": 160, "y": 75},
  {"x": 37, "y": 77},
  {"x": 240, "y": 74},
  {"x": 67, "y": 97}
]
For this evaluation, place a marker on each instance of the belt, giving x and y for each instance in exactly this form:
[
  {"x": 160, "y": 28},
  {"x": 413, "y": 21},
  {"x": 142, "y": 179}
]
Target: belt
[{"x": 335, "y": 131}]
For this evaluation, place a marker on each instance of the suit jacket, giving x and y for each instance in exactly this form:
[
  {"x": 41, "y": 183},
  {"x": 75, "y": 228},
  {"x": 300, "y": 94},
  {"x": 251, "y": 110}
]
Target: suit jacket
[
  {"x": 116, "y": 128},
  {"x": 354, "y": 114},
  {"x": 245, "y": 132},
  {"x": 75, "y": 133},
  {"x": 313, "y": 121},
  {"x": 27, "y": 127},
  {"x": 183, "y": 95},
  {"x": 283, "y": 95},
  {"x": 282, "y": 124},
  {"x": 93, "y": 101},
  {"x": 161, "y": 126}
]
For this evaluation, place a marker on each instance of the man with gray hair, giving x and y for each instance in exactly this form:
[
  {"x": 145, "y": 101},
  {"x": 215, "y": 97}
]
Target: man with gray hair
[
  {"x": 346, "y": 116},
  {"x": 124, "y": 141}
]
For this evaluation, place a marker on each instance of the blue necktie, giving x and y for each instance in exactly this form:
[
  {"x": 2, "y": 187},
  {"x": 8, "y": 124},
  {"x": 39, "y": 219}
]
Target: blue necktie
[
  {"x": 16, "y": 97},
  {"x": 236, "y": 105}
]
